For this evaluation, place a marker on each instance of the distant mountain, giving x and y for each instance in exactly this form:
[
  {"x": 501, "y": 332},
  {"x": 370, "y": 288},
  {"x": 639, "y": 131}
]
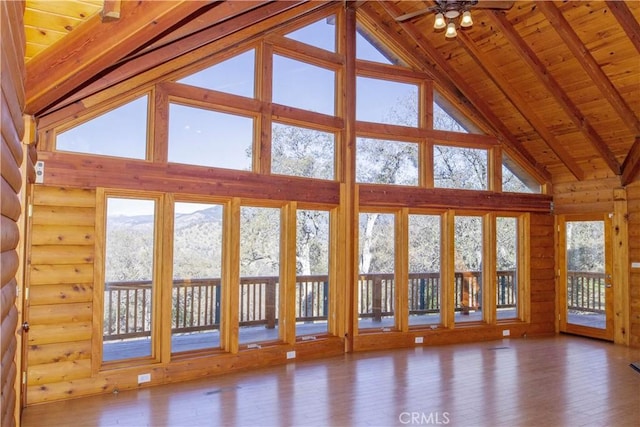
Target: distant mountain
[{"x": 208, "y": 215}]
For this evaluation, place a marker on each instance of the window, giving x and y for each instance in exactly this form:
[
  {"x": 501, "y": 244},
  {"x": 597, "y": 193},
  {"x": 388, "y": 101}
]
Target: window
[
  {"x": 442, "y": 120},
  {"x": 516, "y": 179},
  {"x": 425, "y": 287},
  {"x": 302, "y": 152},
  {"x": 507, "y": 267},
  {"x": 129, "y": 289},
  {"x": 320, "y": 34},
  {"x": 121, "y": 132},
  {"x": 259, "y": 274},
  {"x": 376, "y": 285},
  {"x": 292, "y": 78},
  {"x": 370, "y": 49},
  {"x": 468, "y": 268},
  {"x": 384, "y": 101},
  {"x": 235, "y": 76},
  {"x": 312, "y": 270},
  {"x": 461, "y": 168},
  {"x": 209, "y": 138},
  {"x": 386, "y": 162},
  {"x": 197, "y": 285}
]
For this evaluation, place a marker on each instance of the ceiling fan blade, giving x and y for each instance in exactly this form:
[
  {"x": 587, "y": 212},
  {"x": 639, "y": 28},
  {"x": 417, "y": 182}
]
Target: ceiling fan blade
[
  {"x": 491, "y": 4},
  {"x": 410, "y": 15}
]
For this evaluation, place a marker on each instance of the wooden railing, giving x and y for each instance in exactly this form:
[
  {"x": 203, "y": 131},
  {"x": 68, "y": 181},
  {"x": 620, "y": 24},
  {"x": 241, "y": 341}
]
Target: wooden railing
[
  {"x": 585, "y": 291},
  {"x": 196, "y": 303}
]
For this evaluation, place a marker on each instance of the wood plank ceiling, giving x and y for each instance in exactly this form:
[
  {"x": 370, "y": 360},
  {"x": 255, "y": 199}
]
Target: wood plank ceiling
[{"x": 557, "y": 82}]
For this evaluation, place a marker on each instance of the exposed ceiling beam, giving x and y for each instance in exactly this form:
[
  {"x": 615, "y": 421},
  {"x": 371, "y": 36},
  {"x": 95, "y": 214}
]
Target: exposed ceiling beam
[
  {"x": 457, "y": 82},
  {"x": 246, "y": 25},
  {"x": 521, "y": 104},
  {"x": 631, "y": 165},
  {"x": 528, "y": 55},
  {"x": 582, "y": 54},
  {"x": 625, "y": 18},
  {"x": 94, "y": 46}
]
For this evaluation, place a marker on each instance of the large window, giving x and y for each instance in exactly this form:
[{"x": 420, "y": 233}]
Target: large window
[
  {"x": 259, "y": 274},
  {"x": 425, "y": 286},
  {"x": 197, "y": 286},
  {"x": 129, "y": 289},
  {"x": 376, "y": 284},
  {"x": 312, "y": 271},
  {"x": 468, "y": 268}
]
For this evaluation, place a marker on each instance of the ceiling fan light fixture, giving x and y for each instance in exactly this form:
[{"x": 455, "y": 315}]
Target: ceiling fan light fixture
[
  {"x": 439, "y": 22},
  {"x": 466, "y": 20},
  {"x": 451, "y": 31}
]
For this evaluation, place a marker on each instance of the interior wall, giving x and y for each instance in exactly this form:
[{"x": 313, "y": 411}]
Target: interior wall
[
  {"x": 633, "y": 205},
  {"x": 12, "y": 155}
]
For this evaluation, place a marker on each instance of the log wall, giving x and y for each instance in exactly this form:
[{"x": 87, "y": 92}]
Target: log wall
[
  {"x": 633, "y": 205},
  {"x": 11, "y": 192}
]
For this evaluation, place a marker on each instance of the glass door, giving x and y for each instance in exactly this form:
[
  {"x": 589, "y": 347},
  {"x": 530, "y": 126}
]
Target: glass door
[{"x": 586, "y": 285}]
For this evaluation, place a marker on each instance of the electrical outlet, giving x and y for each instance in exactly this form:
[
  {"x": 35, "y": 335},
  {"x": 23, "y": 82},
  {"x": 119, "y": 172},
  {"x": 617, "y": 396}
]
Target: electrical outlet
[
  {"x": 291, "y": 354},
  {"x": 419, "y": 340},
  {"x": 506, "y": 333},
  {"x": 144, "y": 378}
]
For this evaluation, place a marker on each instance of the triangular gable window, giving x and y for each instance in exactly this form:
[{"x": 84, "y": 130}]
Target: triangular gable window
[
  {"x": 517, "y": 180},
  {"x": 121, "y": 132},
  {"x": 321, "y": 34},
  {"x": 235, "y": 76},
  {"x": 448, "y": 117},
  {"x": 369, "y": 48}
]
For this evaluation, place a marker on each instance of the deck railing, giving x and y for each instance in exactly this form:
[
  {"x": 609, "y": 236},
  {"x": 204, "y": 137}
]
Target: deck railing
[
  {"x": 196, "y": 303},
  {"x": 586, "y": 291}
]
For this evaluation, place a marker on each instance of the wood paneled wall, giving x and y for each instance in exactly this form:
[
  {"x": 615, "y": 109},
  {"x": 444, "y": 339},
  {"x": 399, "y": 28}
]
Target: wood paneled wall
[
  {"x": 12, "y": 187},
  {"x": 633, "y": 205}
]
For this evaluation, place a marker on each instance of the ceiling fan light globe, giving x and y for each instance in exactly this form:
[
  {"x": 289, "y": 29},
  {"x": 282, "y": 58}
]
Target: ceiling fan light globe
[
  {"x": 439, "y": 22},
  {"x": 451, "y": 31},
  {"x": 466, "y": 20}
]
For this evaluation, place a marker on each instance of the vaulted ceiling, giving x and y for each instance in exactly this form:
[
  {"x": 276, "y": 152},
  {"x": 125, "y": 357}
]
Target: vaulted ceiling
[{"x": 557, "y": 82}]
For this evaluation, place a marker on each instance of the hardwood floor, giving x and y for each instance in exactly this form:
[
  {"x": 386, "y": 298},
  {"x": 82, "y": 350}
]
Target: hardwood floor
[{"x": 554, "y": 381}]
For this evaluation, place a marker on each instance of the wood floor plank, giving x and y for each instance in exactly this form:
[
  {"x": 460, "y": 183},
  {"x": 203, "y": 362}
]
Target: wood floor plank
[{"x": 555, "y": 381}]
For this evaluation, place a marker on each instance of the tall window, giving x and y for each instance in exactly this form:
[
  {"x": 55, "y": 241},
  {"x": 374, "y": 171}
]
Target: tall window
[
  {"x": 507, "y": 267},
  {"x": 129, "y": 278},
  {"x": 312, "y": 271},
  {"x": 259, "y": 274},
  {"x": 424, "y": 270},
  {"x": 197, "y": 287},
  {"x": 468, "y": 268},
  {"x": 376, "y": 284}
]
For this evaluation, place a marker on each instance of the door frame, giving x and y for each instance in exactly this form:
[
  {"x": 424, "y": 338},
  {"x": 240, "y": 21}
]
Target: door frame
[{"x": 563, "y": 324}]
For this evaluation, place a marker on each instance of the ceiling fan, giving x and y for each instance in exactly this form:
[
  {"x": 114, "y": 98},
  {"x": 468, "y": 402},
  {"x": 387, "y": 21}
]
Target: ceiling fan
[{"x": 446, "y": 11}]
